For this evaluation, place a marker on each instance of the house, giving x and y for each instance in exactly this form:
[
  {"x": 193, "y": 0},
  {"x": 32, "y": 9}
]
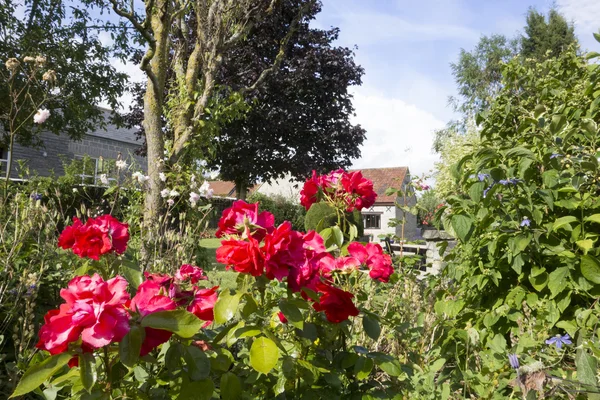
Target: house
[
  {"x": 376, "y": 218},
  {"x": 100, "y": 147}
]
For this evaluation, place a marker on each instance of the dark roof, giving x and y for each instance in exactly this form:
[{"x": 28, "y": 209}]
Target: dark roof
[
  {"x": 384, "y": 178},
  {"x": 113, "y": 132}
]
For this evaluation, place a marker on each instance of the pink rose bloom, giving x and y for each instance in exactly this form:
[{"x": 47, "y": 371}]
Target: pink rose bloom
[
  {"x": 152, "y": 297},
  {"x": 66, "y": 240},
  {"x": 379, "y": 264},
  {"x": 241, "y": 215},
  {"x": 275, "y": 249},
  {"x": 190, "y": 272},
  {"x": 94, "y": 310},
  {"x": 162, "y": 279},
  {"x": 203, "y": 304},
  {"x": 309, "y": 194},
  {"x": 328, "y": 264}
]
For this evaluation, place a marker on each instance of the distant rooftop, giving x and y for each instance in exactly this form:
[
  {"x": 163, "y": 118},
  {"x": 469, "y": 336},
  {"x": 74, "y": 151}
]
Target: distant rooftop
[{"x": 384, "y": 178}]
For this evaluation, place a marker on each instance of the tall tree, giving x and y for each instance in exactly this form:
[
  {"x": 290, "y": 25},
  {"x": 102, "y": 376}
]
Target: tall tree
[
  {"x": 299, "y": 119},
  {"x": 68, "y": 39},
  {"x": 190, "y": 38},
  {"x": 546, "y": 37}
]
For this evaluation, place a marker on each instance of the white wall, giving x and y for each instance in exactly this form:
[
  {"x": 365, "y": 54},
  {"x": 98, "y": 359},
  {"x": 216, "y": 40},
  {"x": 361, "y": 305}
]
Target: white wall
[
  {"x": 282, "y": 187},
  {"x": 387, "y": 213}
]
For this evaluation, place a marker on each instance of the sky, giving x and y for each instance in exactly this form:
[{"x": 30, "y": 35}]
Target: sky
[{"x": 406, "y": 48}]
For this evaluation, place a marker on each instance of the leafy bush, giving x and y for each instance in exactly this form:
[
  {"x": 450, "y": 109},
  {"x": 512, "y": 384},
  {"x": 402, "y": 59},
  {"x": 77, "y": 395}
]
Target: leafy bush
[
  {"x": 527, "y": 266},
  {"x": 284, "y": 209}
]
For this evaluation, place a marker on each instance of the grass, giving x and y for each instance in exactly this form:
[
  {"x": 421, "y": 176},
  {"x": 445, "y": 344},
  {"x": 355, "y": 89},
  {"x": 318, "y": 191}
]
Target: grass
[{"x": 216, "y": 273}]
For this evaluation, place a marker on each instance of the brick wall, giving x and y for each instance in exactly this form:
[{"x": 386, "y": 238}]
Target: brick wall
[{"x": 49, "y": 158}]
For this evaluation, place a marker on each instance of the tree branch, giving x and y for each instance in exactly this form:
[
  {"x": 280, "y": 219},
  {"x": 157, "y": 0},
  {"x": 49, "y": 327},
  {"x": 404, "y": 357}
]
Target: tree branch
[{"x": 131, "y": 18}]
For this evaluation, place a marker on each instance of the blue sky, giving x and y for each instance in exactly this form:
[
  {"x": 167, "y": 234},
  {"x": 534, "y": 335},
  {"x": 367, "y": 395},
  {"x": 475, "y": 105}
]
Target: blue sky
[{"x": 406, "y": 47}]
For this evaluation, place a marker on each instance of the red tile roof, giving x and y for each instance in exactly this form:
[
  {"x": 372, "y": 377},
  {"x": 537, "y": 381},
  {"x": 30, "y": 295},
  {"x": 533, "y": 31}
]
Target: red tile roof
[
  {"x": 227, "y": 188},
  {"x": 384, "y": 178}
]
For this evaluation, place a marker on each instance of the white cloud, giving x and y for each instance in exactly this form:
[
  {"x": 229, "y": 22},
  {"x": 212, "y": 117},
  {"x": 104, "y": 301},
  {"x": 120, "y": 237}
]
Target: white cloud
[
  {"x": 398, "y": 133},
  {"x": 586, "y": 15}
]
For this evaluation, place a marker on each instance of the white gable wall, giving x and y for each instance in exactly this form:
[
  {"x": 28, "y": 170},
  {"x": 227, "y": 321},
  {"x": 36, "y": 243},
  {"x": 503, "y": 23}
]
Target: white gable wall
[{"x": 386, "y": 213}]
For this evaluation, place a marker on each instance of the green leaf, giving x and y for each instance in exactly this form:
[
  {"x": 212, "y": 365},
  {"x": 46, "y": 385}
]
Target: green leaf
[
  {"x": 338, "y": 236},
  {"x": 564, "y": 222},
  {"x": 231, "y": 387},
  {"x": 263, "y": 355},
  {"x": 558, "y": 124},
  {"x": 498, "y": 344},
  {"x": 463, "y": 226},
  {"x": 593, "y": 218},
  {"x": 363, "y": 367},
  {"x": 87, "y": 370},
  {"x": 197, "y": 362},
  {"x": 352, "y": 232},
  {"x": 585, "y": 245},
  {"x": 597, "y": 37},
  {"x": 557, "y": 280},
  {"x": 587, "y": 367},
  {"x": 538, "y": 278},
  {"x": 198, "y": 390},
  {"x": 130, "y": 346},
  {"x": 567, "y": 326},
  {"x": 371, "y": 327},
  {"x": 132, "y": 273},
  {"x": 40, "y": 373},
  {"x": 292, "y": 313},
  {"x": 388, "y": 364},
  {"x": 226, "y": 306},
  {"x": 437, "y": 365},
  {"x": 180, "y": 322},
  {"x": 590, "y": 268}
]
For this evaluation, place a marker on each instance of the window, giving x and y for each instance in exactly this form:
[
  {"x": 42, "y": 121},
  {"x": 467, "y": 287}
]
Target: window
[
  {"x": 372, "y": 221},
  {"x": 90, "y": 169},
  {"x": 4, "y": 157}
]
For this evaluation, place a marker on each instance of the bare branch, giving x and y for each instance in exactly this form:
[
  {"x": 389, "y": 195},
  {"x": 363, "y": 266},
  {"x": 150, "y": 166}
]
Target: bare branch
[{"x": 130, "y": 16}]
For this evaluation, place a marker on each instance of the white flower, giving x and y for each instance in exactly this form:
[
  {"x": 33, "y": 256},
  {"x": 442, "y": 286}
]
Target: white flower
[
  {"x": 104, "y": 179},
  {"x": 193, "y": 178},
  {"x": 165, "y": 193},
  {"x": 12, "y": 64},
  {"x": 194, "y": 197},
  {"x": 162, "y": 177},
  {"x": 75, "y": 190},
  {"x": 170, "y": 202},
  {"x": 206, "y": 190},
  {"x": 121, "y": 164},
  {"x": 40, "y": 60},
  {"x": 174, "y": 193},
  {"x": 41, "y": 116},
  {"x": 141, "y": 178},
  {"x": 29, "y": 59}
]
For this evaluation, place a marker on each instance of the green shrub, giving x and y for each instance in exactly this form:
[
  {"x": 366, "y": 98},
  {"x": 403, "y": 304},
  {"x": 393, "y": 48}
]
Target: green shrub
[
  {"x": 284, "y": 209},
  {"x": 324, "y": 212}
]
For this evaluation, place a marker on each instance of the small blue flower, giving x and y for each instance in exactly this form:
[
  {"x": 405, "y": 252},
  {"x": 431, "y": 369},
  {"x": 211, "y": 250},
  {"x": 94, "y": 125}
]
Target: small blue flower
[
  {"x": 555, "y": 155},
  {"x": 482, "y": 177},
  {"x": 514, "y": 361},
  {"x": 503, "y": 182},
  {"x": 485, "y": 192},
  {"x": 558, "y": 341},
  {"x": 36, "y": 196},
  {"x": 526, "y": 222}
]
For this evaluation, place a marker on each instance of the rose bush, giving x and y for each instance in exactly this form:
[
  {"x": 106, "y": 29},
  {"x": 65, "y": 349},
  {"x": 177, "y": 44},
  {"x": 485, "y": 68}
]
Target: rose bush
[{"x": 288, "y": 326}]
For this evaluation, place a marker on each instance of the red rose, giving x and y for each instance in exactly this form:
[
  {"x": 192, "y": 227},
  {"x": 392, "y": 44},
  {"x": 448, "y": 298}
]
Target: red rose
[
  {"x": 203, "y": 304},
  {"x": 336, "y": 303},
  {"x": 305, "y": 252},
  {"x": 379, "y": 264},
  {"x": 94, "y": 310},
  {"x": 242, "y": 255},
  {"x": 151, "y": 297},
  {"x": 92, "y": 242},
  {"x": 97, "y": 237},
  {"x": 241, "y": 216},
  {"x": 282, "y": 318},
  {"x": 275, "y": 249},
  {"x": 359, "y": 191},
  {"x": 66, "y": 240},
  {"x": 190, "y": 272},
  {"x": 310, "y": 191},
  {"x": 117, "y": 231}
]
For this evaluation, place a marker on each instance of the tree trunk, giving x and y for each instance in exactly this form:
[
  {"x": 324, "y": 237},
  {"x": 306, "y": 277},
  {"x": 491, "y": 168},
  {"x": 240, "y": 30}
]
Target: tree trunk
[
  {"x": 241, "y": 189},
  {"x": 153, "y": 109}
]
